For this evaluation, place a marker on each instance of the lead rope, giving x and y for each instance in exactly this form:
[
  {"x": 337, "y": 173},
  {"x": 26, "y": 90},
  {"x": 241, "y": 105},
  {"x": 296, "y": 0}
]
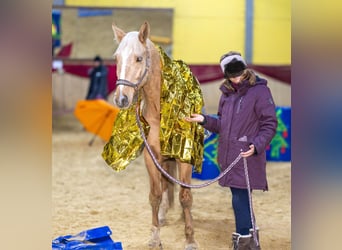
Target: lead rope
[
  {"x": 206, "y": 183},
  {"x": 167, "y": 174},
  {"x": 256, "y": 240},
  {"x": 171, "y": 177}
]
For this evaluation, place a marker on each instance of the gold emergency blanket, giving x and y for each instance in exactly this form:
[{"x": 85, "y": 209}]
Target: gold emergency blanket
[{"x": 180, "y": 96}]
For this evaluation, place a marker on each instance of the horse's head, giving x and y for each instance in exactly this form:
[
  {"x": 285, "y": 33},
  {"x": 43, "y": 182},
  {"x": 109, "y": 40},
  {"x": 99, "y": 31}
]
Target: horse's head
[{"x": 132, "y": 61}]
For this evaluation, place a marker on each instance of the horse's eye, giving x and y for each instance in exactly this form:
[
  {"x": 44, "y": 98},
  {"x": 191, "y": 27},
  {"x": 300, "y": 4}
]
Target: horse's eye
[{"x": 139, "y": 58}]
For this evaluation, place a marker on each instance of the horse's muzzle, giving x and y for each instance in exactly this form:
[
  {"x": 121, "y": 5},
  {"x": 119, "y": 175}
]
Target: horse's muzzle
[{"x": 121, "y": 101}]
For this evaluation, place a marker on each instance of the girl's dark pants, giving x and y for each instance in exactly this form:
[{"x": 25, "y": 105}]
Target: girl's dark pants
[{"x": 240, "y": 202}]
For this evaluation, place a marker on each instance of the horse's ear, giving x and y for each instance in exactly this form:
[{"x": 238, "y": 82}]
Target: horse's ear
[
  {"x": 118, "y": 33},
  {"x": 144, "y": 32}
]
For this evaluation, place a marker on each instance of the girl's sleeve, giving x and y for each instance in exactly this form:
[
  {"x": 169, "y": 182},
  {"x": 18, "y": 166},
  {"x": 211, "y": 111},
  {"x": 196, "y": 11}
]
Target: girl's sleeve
[
  {"x": 213, "y": 123},
  {"x": 265, "y": 110}
]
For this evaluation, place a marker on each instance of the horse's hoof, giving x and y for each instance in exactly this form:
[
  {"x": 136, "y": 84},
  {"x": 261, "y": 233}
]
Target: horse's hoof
[
  {"x": 192, "y": 246},
  {"x": 155, "y": 246},
  {"x": 162, "y": 222},
  {"x": 154, "y": 242}
]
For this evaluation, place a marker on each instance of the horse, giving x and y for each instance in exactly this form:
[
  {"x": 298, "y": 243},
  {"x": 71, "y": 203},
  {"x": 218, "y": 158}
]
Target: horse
[{"x": 139, "y": 69}]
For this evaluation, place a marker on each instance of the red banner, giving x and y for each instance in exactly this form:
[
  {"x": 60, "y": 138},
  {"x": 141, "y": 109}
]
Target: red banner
[{"x": 204, "y": 72}]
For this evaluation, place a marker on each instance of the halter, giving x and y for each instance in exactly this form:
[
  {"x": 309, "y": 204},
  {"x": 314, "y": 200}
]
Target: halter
[{"x": 135, "y": 86}]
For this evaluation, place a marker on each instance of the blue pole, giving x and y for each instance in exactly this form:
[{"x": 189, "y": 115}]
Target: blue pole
[{"x": 249, "y": 18}]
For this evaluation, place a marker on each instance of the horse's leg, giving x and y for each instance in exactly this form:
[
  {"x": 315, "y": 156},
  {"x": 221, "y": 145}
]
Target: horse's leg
[
  {"x": 185, "y": 198},
  {"x": 167, "y": 188},
  {"x": 170, "y": 184},
  {"x": 155, "y": 196}
]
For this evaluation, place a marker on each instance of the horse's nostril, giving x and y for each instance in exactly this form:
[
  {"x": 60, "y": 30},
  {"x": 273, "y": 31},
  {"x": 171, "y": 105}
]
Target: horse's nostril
[{"x": 123, "y": 101}]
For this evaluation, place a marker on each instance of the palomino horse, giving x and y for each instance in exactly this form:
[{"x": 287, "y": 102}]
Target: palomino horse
[{"x": 139, "y": 69}]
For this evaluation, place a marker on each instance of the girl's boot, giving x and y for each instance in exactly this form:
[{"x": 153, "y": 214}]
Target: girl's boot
[
  {"x": 241, "y": 242},
  {"x": 253, "y": 245}
]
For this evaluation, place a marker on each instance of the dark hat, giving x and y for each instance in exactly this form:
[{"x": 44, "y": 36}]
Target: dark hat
[
  {"x": 97, "y": 58},
  {"x": 232, "y": 64}
]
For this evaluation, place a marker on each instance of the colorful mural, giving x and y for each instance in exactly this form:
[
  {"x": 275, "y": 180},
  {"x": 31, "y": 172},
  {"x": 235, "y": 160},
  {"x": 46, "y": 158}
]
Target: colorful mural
[
  {"x": 280, "y": 146},
  {"x": 210, "y": 168},
  {"x": 56, "y": 28}
]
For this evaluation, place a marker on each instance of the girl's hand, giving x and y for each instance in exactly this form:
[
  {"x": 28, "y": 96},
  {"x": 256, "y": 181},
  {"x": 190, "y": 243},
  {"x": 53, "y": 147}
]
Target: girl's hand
[
  {"x": 195, "y": 118},
  {"x": 249, "y": 152}
]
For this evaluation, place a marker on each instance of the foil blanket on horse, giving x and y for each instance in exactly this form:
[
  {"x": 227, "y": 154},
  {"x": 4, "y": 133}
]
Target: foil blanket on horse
[{"x": 181, "y": 96}]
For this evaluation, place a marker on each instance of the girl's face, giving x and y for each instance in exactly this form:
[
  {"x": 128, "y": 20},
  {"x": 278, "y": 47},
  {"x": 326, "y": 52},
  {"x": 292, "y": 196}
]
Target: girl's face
[{"x": 236, "y": 79}]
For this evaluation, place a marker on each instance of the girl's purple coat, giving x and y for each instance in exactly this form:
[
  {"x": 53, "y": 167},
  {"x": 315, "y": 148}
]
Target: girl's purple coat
[{"x": 244, "y": 117}]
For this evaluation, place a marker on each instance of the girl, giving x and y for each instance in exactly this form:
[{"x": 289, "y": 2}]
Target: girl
[{"x": 246, "y": 120}]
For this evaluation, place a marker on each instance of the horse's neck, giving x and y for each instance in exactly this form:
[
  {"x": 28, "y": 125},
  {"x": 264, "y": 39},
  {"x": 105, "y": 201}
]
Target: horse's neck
[{"x": 151, "y": 90}]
